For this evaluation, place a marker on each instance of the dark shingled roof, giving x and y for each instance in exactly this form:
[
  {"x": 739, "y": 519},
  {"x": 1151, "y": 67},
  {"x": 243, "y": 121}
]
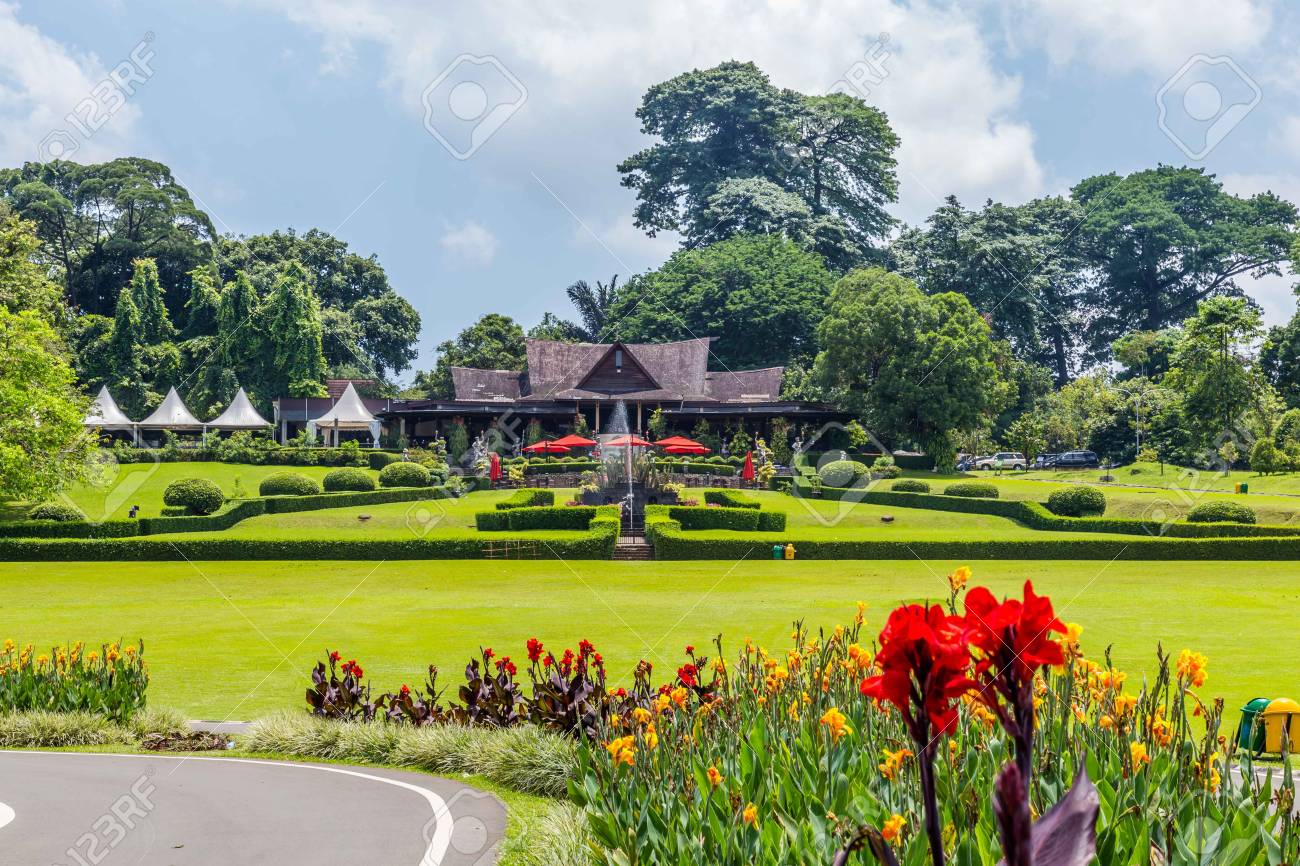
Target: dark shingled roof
[
  {"x": 558, "y": 371},
  {"x": 473, "y": 384}
]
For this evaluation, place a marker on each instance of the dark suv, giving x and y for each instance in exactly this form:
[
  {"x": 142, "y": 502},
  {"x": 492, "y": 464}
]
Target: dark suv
[{"x": 1077, "y": 460}]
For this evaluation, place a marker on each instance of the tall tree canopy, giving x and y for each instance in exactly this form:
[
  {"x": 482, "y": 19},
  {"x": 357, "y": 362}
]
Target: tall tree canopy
[
  {"x": 1019, "y": 266},
  {"x": 760, "y": 296},
  {"x": 494, "y": 342},
  {"x": 1211, "y": 368},
  {"x": 915, "y": 366},
  {"x": 365, "y": 323},
  {"x": 835, "y": 153},
  {"x": 291, "y": 328},
  {"x": 95, "y": 220},
  {"x": 1164, "y": 239}
]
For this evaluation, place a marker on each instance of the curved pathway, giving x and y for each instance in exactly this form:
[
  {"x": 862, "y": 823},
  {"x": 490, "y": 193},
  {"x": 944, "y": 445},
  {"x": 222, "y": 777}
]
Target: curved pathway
[{"x": 77, "y": 809}]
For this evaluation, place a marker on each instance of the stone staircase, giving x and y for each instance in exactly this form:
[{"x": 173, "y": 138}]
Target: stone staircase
[{"x": 633, "y": 548}]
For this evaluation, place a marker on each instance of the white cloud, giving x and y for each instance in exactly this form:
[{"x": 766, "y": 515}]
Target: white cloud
[
  {"x": 1288, "y": 136},
  {"x": 586, "y": 67},
  {"x": 470, "y": 242},
  {"x": 1154, "y": 36},
  {"x": 41, "y": 83}
]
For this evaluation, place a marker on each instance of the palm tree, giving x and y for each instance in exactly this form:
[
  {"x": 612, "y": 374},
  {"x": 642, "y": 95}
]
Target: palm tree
[{"x": 593, "y": 306}]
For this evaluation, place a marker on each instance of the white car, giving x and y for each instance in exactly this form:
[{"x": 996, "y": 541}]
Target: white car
[{"x": 1005, "y": 459}]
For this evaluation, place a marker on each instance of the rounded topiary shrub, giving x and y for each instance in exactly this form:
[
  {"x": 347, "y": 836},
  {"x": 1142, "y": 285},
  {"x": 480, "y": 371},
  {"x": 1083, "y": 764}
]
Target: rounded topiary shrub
[
  {"x": 972, "y": 490},
  {"x": 843, "y": 473},
  {"x": 1221, "y": 512},
  {"x": 356, "y": 480},
  {"x": 288, "y": 484},
  {"x": 1080, "y": 501},
  {"x": 59, "y": 511},
  {"x": 404, "y": 475},
  {"x": 197, "y": 495},
  {"x": 910, "y": 485}
]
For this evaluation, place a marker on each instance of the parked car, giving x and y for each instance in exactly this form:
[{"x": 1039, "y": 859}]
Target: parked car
[
  {"x": 1002, "y": 460},
  {"x": 966, "y": 462},
  {"x": 1077, "y": 460},
  {"x": 1045, "y": 461}
]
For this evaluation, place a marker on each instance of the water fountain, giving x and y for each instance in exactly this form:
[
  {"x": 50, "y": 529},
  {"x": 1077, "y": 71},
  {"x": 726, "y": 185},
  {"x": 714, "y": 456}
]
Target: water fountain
[{"x": 626, "y": 479}]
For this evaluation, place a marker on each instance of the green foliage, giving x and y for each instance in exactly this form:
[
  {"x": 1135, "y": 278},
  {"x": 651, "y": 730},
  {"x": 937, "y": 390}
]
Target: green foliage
[
  {"x": 658, "y": 424},
  {"x": 494, "y": 342},
  {"x": 844, "y": 473},
  {"x": 740, "y": 443},
  {"x": 1026, "y": 436},
  {"x": 404, "y": 475},
  {"x": 457, "y": 440},
  {"x": 349, "y": 479},
  {"x": 1265, "y": 459},
  {"x": 43, "y": 445},
  {"x": 57, "y": 511},
  {"x": 527, "y": 497},
  {"x": 197, "y": 495},
  {"x": 380, "y": 459},
  {"x": 1221, "y": 512},
  {"x": 24, "y": 283},
  {"x": 1077, "y": 501},
  {"x": 972, "y": 490},
  {"x": 910, "y": 485},
  {"x": 110, "y": 682},
  {"x": 885, "y": 467},
  {"x": 1211, "y": 370},
  {"x": 915, "y": 366},
  {"x": 544, "y": 517},
  {"x": 1288, "y": 428},
  {"x": 293, "y": 336},
  {"x": 593, "y": 306},
  {"x": 759, "y": 297},
  {"x": 533, "y": 432},
  {"x": 289, "y": 484},
  {"x": 780, "y": 441}
]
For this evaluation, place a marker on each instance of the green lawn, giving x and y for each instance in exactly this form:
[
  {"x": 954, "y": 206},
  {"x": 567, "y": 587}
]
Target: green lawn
[
  {"x": 143, "y": 484},
  {"x": 218, "y": 634}
]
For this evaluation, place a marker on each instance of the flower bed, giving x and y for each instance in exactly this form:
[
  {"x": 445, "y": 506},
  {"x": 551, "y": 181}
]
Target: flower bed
[{"x": 109, "y": 682}]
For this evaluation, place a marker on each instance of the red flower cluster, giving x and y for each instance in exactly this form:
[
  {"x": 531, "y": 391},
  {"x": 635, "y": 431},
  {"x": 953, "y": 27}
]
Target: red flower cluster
[
  {"x": 930, "y": 646},
  {"x": 488, "y": 653},
  {"x": 334, "y": 656},
  {"x": 351, "y": 667},
  {"x": 534, "y": 649},
  {"x": 687, "y": 674},
  {"x": 1013, "y": 635},
  {"x": 504, "y": 664},
  {"x": 406, "y": 690}
]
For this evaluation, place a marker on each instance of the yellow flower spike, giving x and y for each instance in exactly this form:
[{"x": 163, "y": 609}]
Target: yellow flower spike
[
  {"x": 1106, "y": 722},
  {"x": 893, "y": 828},
  {"x": 958, "y": 579},
  {"x": 9, "y": 645},
  {"x": 1191, "y": 667},
  {"x": 1138, "y": 754},
  {"x": 836, "y": 724},
  {"x": 750, "y": 815},
  {"x": 861, "y": 615},
  {"x": 715, "y": 778}
]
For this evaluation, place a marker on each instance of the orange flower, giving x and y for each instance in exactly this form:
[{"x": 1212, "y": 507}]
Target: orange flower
[
  {"x": 1191, "y": 667},
  {"x": 893, "y": 761},
  {"x": 893, "y": 828},
  {"x": 1138, "y": 753},
  {"x": 958, "y": 579},
  {"x": 836, "y": 724},
  {"x": 750, "y": 815},
  {"x": 715, "y": 778}
]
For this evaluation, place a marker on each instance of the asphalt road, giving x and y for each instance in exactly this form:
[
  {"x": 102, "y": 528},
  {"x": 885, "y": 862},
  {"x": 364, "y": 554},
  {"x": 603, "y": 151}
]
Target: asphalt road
[{"x": 85, "y": 809}]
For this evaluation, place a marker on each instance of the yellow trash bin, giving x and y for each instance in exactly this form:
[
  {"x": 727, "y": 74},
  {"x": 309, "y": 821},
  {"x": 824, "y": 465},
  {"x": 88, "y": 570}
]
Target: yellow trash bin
[
  {"x": 789, "y": 554},
  {"x": 1281, "y": 719}
]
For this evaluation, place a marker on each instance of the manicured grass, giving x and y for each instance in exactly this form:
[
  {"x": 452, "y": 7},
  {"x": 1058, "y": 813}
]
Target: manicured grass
[
  {"x": 237, "y": 639},
  {"x": 143, "y": 484}
]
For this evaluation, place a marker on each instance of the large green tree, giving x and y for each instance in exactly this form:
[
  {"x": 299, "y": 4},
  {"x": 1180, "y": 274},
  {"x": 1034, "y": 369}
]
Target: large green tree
[
  {"x": 365, "y": 323},
  {"x": 141, "y": 360},
  {"x": 291, "y": 325},
  {"x": 916, "y": 367},
  {"x": 1212, "y": 369},
  {"x": 836, "y": 153},
  {"x": 759, "y": 296},
  {"x": 95, "y": 220},
  {"x": 494, "y": 342},
  {"x": 1163, "y": 240}
]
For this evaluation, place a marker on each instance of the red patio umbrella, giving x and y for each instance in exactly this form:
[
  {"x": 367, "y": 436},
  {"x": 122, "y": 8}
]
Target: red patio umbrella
[
  {"x": 679, "y": 441},
  {"x": 545, "y": 448},
  {"x": 747, "y": 472},
  {"x": 685, "y": 449},
  {"x": 494, "y": 467},
  {"x": 625, "y": 441},
  {"x": 574, "y": 441}
]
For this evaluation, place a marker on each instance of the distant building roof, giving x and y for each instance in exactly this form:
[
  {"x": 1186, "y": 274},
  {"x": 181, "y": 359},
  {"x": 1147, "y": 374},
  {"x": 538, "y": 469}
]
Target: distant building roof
[
  {"x": 336, "y": 387},
  {"x": 239, "y": 415},
  {"x": 172, "y": 414},
  {"x": 348, "y": 411},
  {"x": 104, "y": 412}
]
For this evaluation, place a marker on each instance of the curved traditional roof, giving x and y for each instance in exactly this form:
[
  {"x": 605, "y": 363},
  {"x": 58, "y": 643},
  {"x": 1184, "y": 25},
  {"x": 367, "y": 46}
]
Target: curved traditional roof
[
  {"x": 349, "y": 411},
  {"x": 239, "y": 415},
  {"x": 172, "y": 414},
  {"x": 104, "y": 412}
]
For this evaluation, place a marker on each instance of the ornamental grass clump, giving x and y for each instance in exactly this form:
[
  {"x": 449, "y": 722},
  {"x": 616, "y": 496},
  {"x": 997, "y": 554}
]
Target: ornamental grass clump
[{"x": 109, "y": 682}]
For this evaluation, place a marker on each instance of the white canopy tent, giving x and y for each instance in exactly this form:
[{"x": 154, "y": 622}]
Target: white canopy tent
[
  {"x": 171, "y": 415},
  {"x": 104, "y": 413},
  {"x": 239, "y": 415},
  {"x": 349, "y": 413}
]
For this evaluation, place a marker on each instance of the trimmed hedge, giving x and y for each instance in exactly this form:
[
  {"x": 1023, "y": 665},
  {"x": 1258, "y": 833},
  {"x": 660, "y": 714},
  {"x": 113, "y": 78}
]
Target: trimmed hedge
[
  {"x": 289, "y": 484},
  {"x": 402, "y": 474},
  {"x": 380, "y": 459},
  {"x": 351, "y": 480},
  {"x": 555, "y": 468},
  {"x": 910, "y": 485},
  {"x": 199, "y": 495},
  {"x": 695, "y": 517},
  {"x": 59, "y": 511},
  {"x": 527, "y": 497},
  {"x": 544, "y": 517},
  {"x": 731, "y": 499},
  {"x": 1036, "y": 516},
  {"x": 695, "y": 468},
  {"x": 972, "y": 490},
  {"x": 1221, "y": 512},
  {"x": 1077, "y": 501},
  {"x": 844, "y": 473}
]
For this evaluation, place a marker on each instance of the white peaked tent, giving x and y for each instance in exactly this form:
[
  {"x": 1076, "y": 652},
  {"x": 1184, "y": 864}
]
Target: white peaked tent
[
  {"x": 105, "y": 415},
  {"x": 171, "y": 415},
  {"x": 239, "y": 415},
  {"x": 349, "y": 413}
]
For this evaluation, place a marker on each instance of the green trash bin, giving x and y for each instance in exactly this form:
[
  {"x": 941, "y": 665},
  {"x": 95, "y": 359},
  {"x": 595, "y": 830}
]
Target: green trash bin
[
  {"x": 778, "y": 552},
  {"x": 1245, "y": 487},
  {"x": 1250, "y": 731}
]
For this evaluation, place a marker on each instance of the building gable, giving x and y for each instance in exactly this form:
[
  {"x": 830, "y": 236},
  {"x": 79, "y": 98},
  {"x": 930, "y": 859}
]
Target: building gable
[{"x": 618, "y": 372}]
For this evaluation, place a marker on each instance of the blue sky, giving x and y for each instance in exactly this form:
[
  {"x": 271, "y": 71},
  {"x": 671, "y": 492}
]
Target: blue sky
[{"x": 311, "y": 113}]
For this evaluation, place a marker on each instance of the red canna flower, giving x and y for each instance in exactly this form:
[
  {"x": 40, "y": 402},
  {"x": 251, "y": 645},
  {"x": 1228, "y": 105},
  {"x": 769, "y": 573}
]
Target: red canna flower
[
  {"x": 534, "y": 649},
  {"x": 690, "y": 649},
  {"x": 585, "y": 648},
  {"x": 621, "y": 692},
  {"x": 546, "y": 662},
  {"x": 406, "y": 690},
  {"x": 930, "y": 647},
  {"x": 686, "y": 673},
  {"x": 1014, "y": 635},
  {"x": 334, "y": 656},
  {"x": 487, "y": 653}
]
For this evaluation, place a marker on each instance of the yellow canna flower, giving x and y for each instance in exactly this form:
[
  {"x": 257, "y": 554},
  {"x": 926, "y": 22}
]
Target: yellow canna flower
[
  {"x": 1138, "y": 753},
  {"x": 1191, "y": 667},
  {"x": 750, "y": 815},
  {"x": 715, "y": 778},
  {"x": 893, "y": 828},
  {"x": 958, "y": 579}
]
